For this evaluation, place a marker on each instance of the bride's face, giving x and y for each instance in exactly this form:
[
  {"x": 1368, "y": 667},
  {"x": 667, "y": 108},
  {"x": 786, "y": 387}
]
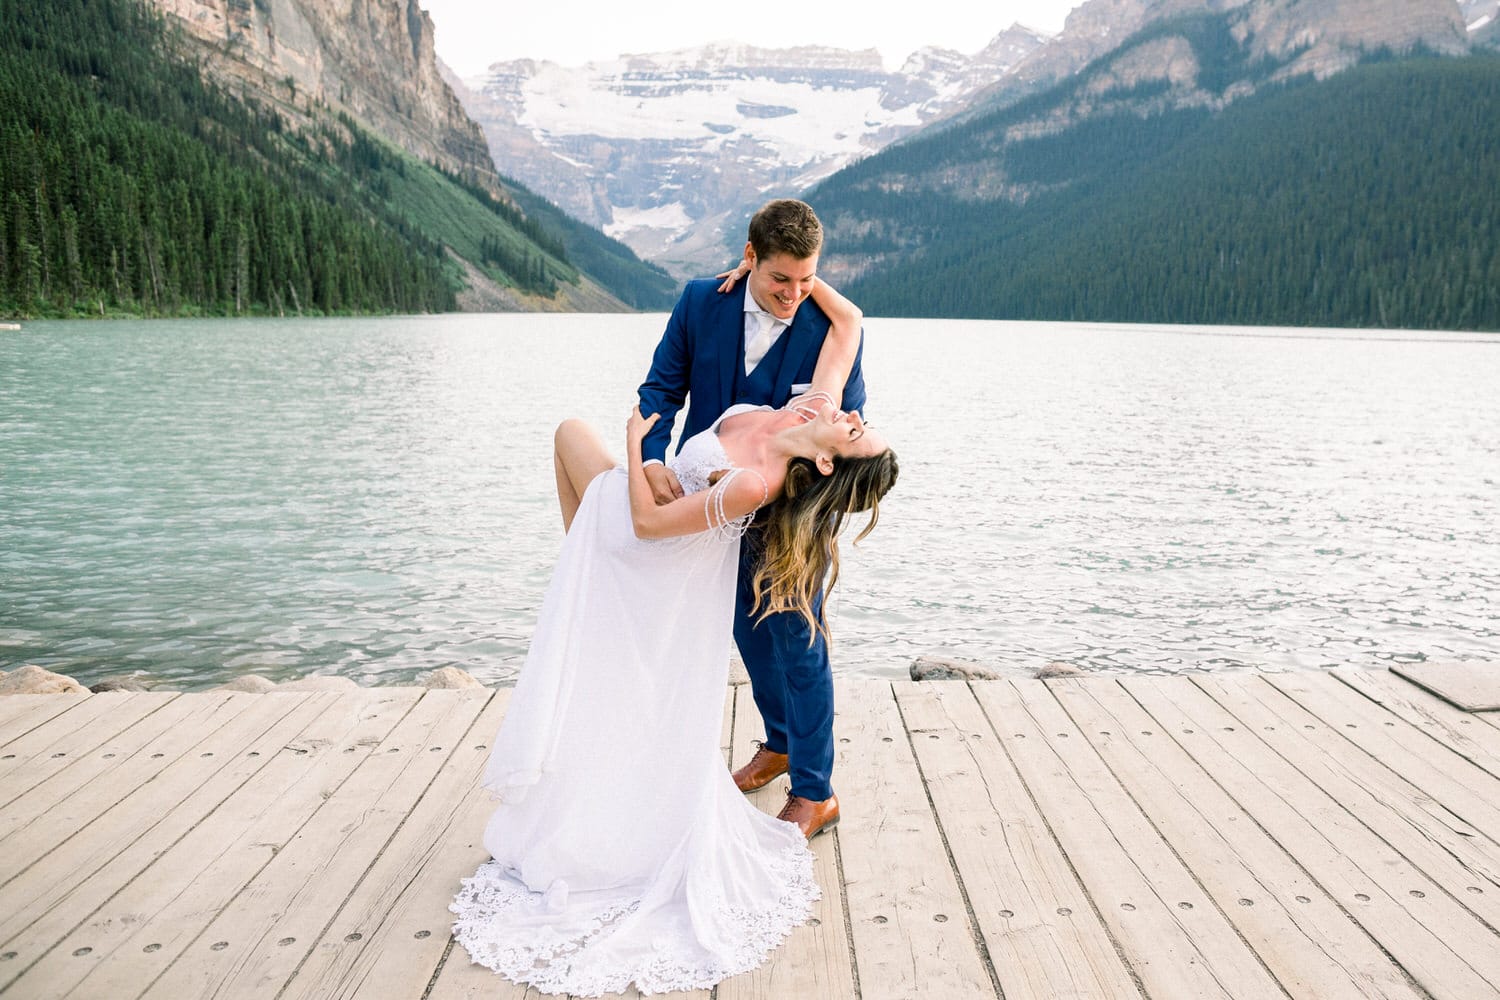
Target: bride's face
[{"x": 845, "y": 434}]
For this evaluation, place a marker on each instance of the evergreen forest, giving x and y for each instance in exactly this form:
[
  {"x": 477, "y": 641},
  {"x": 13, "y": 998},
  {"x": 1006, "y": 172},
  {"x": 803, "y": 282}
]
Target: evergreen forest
[
  {"x": 130, "y": 185},
  {"x": 1364, "y": 200}
]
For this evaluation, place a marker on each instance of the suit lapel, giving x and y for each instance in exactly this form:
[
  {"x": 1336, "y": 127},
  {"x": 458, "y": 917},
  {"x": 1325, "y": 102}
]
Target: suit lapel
[
  {"x": 730, "y": 334},
  {"x": 800, "y": 339}
]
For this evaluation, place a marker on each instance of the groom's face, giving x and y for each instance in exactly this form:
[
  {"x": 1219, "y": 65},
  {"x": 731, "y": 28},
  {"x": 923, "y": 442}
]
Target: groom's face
[{"x": 780, "y": 282}]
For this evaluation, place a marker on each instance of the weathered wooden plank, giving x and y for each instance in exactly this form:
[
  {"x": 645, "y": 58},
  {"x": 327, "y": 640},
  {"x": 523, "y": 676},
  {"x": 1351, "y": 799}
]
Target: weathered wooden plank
[
  {"x": 1307, "y": 942},
  {"x": 1471, "y": 686},
  {"x": 389, "y": 937},
  {"x": 1460, "y": 731},
  {"x": 58, "y": 892},
  {"x": 20, "y": 713},
  {"x": 1016, "y": 875},
  {"x": 1375, "y": 885},
  {"x": 814, "y": 960},
  {"x": 910, "y": 927},
  {"x": 239, "y": 953},
  {"x": 55, "y": 743},
  {"x": 1136, "y": 882},
  {"x": 459, "y": 979},
  {"x": 1429, "y": 836},
  {"x": 140, "y": 929},
  {"x": 35, "y": 789},
  {"x": 228, "y": 721},
  {"x": 1468, "y": 791}
]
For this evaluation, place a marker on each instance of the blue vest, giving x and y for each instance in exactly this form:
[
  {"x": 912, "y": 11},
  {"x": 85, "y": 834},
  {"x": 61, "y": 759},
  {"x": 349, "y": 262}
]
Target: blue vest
[{"x": 759, "y": 386}]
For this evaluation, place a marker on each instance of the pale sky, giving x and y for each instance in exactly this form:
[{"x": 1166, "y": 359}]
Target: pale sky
[{"x": 471, "y": 34}]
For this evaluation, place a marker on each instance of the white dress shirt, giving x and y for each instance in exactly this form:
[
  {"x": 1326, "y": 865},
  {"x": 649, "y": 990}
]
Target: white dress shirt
[{"x": 762, "y": 330}]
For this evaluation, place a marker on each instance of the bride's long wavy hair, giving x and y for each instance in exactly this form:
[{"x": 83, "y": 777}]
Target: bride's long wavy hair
[{"x": 799, "y": 532}]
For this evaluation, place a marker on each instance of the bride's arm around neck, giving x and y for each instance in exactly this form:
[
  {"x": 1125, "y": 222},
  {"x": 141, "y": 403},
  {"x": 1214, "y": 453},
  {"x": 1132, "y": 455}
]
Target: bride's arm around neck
[{"x": 708, "y": 509}]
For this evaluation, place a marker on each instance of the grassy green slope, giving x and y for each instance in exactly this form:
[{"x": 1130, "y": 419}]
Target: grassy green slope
[{"x": 129, "y": 185}]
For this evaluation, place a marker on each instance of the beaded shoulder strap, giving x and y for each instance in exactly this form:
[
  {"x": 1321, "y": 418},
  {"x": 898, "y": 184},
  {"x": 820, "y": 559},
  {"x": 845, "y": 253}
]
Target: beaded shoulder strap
[
  {"x": 802, "y": 404},
  {"x": 723, "y": 526}
]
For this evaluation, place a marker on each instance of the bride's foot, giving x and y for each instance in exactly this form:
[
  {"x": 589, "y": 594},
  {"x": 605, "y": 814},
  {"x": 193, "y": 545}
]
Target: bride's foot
[
  {"x": 811, "y": 817},
  {"x": 762, "y": 769}
]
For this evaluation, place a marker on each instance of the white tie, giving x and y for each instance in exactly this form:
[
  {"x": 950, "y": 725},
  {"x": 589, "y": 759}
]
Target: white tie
[{"x": 759, "y": 344}]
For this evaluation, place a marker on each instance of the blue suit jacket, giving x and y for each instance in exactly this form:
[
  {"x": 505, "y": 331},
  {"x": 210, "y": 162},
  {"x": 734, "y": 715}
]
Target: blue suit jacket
[{"x": 698, "y": 353}]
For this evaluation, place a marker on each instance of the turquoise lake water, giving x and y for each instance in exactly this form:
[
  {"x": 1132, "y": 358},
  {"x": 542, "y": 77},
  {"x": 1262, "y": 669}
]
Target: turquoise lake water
[{"x": 373, "y": 497}]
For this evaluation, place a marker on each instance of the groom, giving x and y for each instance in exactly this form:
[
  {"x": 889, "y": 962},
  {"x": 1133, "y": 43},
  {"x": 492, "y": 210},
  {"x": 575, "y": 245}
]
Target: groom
[{"x": 759, "y": 347}]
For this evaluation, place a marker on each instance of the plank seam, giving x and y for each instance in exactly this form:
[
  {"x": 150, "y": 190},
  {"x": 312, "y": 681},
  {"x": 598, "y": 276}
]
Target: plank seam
[
  {"x": 1478, "y": 763},
  {"x": 438, "y": 969},
  {"x": 838, "y": 864},
  {"x": 1425, "y": 721},
  {"x": 963, "y": 890},
  {"x": 269, "y": 860},
  {"x": 1208, "y": 894},
  {"x": 79, "y": 829},
  {"x": 9, "y": 739},
  {"x": 406, "y": 816},
  {"x": 84, "y": 756},
  {"x": 1062, "y": 851},
  {"x": 1418, "y": 866},
  {"x": 110, "y": 898},
  {"x": 1327, "y": 893}
]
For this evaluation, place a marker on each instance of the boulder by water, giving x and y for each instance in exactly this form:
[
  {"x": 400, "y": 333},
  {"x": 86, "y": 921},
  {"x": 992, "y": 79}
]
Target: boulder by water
[
  {"x": 942, "y": 668},
  {"x": 32, "y": 679},
  {"x": 450, "y": 677},
  {"x": 1057, "y": 668},
  {"x": 120, "y": 682}
]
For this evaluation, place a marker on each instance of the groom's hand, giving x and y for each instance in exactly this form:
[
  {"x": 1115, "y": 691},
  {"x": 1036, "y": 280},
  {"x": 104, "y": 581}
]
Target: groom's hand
[{"x": 663, "y": 482}]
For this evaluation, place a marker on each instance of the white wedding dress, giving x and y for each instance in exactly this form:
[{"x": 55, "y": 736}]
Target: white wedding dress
[{"x": 622, "y": 851}]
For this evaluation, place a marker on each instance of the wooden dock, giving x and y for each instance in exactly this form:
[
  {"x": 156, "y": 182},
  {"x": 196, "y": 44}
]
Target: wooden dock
[{"x": 1244, "y": 836}]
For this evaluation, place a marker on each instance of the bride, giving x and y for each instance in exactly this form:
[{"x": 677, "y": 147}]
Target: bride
[{"x": 622, "y": 850}]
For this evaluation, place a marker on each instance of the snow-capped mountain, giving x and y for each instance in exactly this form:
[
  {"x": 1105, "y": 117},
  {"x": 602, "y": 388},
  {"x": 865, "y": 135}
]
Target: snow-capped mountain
[
  {"x": 664, "y": 151},
  {"x": 669, "y": 152}
]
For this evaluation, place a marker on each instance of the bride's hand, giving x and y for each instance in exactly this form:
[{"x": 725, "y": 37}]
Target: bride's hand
[
  {"x": 637, "y": 426},
  {"x": 733, "y": 275}
]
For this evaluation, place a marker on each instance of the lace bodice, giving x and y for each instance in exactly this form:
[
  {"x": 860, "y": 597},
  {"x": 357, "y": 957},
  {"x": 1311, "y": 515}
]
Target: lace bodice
[
  {"x": 699, "y": 458},
  {"x": 702, "y": 455}
]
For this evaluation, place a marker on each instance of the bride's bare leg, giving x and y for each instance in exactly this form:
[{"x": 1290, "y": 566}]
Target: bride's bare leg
[{"x": 578, "y": 455}]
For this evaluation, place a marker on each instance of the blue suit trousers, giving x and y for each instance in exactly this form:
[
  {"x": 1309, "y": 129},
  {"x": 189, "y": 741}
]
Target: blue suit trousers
[{"x": 791, "y": 680}]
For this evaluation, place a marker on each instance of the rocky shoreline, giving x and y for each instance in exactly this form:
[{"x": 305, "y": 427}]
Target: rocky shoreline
[{"x": 37, "y": 680}]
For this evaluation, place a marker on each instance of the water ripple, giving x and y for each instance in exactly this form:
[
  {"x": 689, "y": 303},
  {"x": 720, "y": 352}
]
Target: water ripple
[{"x": 374, "y": 497}]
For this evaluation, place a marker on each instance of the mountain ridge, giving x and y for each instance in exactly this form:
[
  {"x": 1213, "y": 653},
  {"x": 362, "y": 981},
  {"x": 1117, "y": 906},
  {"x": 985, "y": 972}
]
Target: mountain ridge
[{"x": 668, "y": 151}]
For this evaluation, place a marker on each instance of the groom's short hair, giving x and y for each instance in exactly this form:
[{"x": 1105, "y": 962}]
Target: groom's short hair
[{"x": 787, "y": 226}]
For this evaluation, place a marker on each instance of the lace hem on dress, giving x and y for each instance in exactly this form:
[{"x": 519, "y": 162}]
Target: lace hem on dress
[{"x": 497, "y": 925}]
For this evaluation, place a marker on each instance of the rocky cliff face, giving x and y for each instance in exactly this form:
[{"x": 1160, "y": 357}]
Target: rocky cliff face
[
  {"x": 1143, "y": 57},
  {"x": 669, "y": 152},
  {"x": 371, "y": 58},
  {"x": 1318, "y": 37},
  {"x": 1322, "y": 37}
]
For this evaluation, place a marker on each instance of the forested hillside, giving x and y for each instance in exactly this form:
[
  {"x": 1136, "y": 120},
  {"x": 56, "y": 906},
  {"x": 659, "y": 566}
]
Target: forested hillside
[
  {"x": 129, "y": 185},
  {"x": 1367, "y": 199}
]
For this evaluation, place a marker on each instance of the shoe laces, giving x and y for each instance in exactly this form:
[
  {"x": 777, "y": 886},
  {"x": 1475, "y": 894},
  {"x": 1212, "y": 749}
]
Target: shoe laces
[{"x": 760, "y": 748}]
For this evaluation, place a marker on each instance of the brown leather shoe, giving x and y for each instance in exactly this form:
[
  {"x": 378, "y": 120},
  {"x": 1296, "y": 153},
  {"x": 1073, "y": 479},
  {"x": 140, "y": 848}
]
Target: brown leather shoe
[
  {"x": 762, "y": 769},
  {"x": 811, "y": 817}
]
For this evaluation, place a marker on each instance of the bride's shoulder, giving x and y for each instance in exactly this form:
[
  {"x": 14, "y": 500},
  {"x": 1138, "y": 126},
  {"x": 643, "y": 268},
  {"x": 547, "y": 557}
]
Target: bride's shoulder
[{"x": 740, "y": 409}]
